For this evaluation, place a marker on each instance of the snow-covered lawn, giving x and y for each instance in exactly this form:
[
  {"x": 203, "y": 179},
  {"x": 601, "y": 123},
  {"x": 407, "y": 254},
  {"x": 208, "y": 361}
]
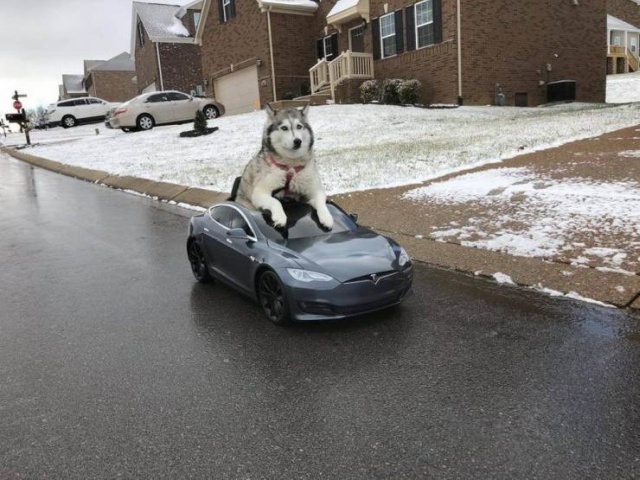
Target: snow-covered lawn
[
  {"x": 360, "y": 147},
  {"x": 531, "y": 214}
]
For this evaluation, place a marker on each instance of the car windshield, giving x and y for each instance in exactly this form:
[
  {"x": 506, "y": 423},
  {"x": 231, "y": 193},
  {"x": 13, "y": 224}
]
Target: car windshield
[{"x": 302, "y": 222}]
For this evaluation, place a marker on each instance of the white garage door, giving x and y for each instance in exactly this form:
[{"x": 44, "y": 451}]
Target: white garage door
[{"x": 238, "y": 91}]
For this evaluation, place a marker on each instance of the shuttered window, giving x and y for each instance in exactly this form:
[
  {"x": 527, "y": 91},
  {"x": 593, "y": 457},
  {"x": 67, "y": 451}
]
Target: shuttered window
[
  {"x": 388, "y": 35},
  {"x": 424, "y": 23},
  {"x": 328, "y": 47},
  {"x": 226, "y": 10}
]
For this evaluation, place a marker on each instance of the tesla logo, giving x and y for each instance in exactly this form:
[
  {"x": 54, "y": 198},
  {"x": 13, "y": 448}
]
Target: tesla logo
[{"x": 374, "y": 278}]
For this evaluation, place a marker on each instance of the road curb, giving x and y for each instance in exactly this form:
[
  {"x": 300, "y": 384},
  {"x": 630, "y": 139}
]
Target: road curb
[{"x": 612, "y": 288}]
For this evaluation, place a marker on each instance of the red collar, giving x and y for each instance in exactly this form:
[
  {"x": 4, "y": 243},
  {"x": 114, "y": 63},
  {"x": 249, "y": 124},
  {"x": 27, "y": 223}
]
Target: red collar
[{"x": 290, "y": 170}]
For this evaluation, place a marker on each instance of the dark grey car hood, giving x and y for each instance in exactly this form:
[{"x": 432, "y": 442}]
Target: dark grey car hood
[{"x": 345, "y": 255}]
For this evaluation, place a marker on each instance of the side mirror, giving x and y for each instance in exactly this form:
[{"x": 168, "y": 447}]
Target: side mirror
[
  {"x": 354, "y": 217},
  {"x": 237, "y": 233}
]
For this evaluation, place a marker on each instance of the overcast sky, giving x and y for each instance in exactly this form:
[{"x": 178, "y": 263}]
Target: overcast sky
[{"x": 42, "y": 39}]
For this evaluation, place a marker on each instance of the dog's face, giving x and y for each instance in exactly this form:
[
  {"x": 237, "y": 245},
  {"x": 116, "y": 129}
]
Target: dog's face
[{"x": 288, "y": 133}]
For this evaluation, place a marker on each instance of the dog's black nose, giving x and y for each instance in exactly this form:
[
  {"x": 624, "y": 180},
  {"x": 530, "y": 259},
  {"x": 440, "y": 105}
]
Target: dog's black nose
[{"x": 296, "y": 143}]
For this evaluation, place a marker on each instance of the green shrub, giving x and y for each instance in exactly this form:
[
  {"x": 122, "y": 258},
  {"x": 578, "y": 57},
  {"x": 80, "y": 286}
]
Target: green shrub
[
  {"x": 200, "y": 123},
  {"x": 390, "y": 91},
  {"x": 370, "y": 91},
  {"x": 409, "y": 91}
]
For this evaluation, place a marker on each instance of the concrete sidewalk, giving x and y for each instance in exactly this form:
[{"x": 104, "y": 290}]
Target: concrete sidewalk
[{"x": 409, "y": 222}]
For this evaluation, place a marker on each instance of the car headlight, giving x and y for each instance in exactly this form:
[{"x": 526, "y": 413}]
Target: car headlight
[
  {"x": 308, "y": 276},
  {"x": 403, "y": 257}
]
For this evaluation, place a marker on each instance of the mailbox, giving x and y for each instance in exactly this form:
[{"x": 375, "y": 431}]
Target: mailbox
[{"x": 16, "y": 117}]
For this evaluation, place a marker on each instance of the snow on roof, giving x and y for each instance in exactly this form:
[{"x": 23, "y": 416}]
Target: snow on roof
[
  {"x": 160, "y": 21},
  {"x": 308, "y": 5},
  {"x": 341, "y": 6},
  {"x": 120, "y": 63},
  {"x": 195, "y": 5},
  {"x": 73, "y": 83},
  {"x": 614, "y": 23}
]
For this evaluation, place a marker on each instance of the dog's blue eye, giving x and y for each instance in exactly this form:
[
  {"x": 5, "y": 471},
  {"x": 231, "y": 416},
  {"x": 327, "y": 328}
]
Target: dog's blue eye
[
  {"x": 299, "y": 127},
  {"x": 284, "y": 129}
]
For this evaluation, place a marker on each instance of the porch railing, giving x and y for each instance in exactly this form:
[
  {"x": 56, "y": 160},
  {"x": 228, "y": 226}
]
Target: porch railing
[
  {"x": 347, "y": 65},
  {"x": 631, "y": 57}
]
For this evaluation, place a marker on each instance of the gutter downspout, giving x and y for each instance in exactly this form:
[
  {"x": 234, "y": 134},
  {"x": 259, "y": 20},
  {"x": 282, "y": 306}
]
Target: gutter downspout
[
  {"x": 459, "y": 55},
  {"x": 159, "y": 66},
  {"x": 273, "y": 69}
]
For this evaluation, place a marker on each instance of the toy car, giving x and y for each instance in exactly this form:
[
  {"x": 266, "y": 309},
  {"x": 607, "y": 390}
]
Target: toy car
[{"x": 302, "y": 272}]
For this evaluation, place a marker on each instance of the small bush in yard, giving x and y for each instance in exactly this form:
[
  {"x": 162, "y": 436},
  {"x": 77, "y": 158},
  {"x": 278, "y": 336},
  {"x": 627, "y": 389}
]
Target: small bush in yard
[
  {"x": 408, "y": 91},
  {"x": 200, "y": 123},
  {"x": 390, "y": 91},
  {"x": 370, "y": 91}
]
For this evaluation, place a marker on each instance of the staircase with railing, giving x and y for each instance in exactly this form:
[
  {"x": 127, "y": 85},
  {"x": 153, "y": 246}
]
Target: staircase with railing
[
  {"x": 632, "y": 63},
  {"x": 326, "y": 76}
]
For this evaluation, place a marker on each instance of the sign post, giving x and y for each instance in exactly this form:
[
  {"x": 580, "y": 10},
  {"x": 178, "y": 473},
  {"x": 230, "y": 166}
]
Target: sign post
[{"x": 24, "y": 124}]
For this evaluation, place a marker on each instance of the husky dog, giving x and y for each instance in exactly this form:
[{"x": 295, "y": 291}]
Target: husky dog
[{"x": 285, "y": 164}]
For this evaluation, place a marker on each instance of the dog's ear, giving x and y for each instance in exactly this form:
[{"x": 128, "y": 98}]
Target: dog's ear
[
  {"x": 270, "y": 112},
  {"x": 305, "y": 111}
]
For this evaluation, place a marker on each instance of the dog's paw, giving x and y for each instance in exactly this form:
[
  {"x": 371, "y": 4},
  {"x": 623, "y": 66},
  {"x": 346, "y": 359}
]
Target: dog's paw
[
  {"x": 326, "y": 220},
  {"x": 278, "y": 218}
]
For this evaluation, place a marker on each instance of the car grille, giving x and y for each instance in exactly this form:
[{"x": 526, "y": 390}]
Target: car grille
[{"x": 374, "y": 277}]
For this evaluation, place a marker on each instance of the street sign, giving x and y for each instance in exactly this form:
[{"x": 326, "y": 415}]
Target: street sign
[
  {"x": 16, "y": 117},
  {"x": 17, "y": 104}
]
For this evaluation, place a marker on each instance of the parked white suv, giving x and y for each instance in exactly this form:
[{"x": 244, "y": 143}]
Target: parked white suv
[{"x": 70, "y": 113}]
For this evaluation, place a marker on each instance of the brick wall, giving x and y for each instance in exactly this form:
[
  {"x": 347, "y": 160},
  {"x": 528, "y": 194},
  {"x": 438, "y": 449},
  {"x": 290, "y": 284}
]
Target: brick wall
[
  {"x": 242, "y": 41},
  {"x": 113, "y": 86},
  {"x": 181, "y": 66},
  {"x": 146, "y": 63},
  {"x": 511, "y": 44},
  {"x": 626, "y": 10},
  {"x": 435, "y": 66}
]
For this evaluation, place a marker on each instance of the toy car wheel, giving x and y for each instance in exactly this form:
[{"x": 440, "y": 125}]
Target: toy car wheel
[
  {"x": 69, "y": 121},
  {"x": 145, "y": 122},
  {"x": 210, "y": 112},
  {"x": 272, "y": 298},
  {"x": 198, "y": 263}
]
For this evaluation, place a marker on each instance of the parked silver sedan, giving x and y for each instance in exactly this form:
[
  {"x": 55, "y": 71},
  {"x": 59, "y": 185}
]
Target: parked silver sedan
[{"x": 162, "y": 108}]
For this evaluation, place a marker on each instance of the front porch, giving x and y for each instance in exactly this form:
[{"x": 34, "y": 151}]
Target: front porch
[
  {"x": 622, "y": 46},
  {"x": 326, "y": 76}
]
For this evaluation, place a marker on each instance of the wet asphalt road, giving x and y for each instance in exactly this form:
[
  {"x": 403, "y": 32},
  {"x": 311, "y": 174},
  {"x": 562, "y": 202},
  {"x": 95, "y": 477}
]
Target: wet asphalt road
[{"x": 115, "y": 363}]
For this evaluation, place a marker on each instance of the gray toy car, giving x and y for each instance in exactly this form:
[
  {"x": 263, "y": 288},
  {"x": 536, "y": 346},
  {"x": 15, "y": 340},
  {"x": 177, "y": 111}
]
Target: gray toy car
[{"x": 302, "y": 272}]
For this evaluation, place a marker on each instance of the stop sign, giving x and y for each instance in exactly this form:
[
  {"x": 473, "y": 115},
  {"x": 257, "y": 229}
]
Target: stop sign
[{"x": 17, "y": 104}]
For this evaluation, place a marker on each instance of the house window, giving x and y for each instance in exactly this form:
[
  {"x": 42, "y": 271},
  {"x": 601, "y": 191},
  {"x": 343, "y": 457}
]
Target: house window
[
  {"x": 326, "y": 43},
  {"x": 140, "y": 34},
  {"x": 327, "y": 47},
  {"x": 388, "y": 35},
  {"x": 227, "y": 10},
  {"x": 196, "y": 19},
  {"x": 424, "y": 23}
]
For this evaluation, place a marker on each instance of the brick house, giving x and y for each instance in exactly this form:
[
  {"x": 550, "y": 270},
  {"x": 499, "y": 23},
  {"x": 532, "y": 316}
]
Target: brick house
[
  {"x": 468, "y": 51},
  {"x": 162, "y": 46},
  {"x": 623, "y": 36},
  {"x": 112, "y": 80}
]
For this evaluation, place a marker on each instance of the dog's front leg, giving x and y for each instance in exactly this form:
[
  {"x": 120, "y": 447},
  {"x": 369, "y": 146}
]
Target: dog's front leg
[
  {"x": 263, "y": 200},
  {"x": 319, "y": 203}
]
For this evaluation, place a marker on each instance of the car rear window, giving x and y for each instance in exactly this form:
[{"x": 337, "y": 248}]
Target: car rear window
[{"x": 302, "y": 222}]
